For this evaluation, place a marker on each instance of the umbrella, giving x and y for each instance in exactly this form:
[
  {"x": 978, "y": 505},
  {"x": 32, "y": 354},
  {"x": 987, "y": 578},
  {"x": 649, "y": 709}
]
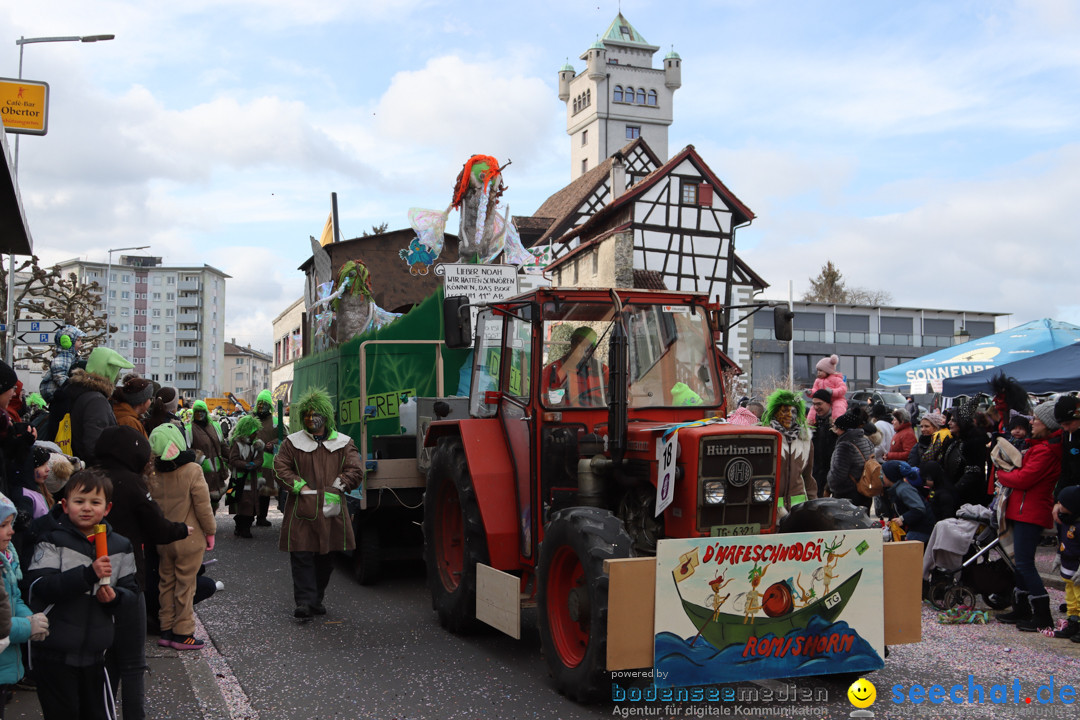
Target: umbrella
[
  {"x": 1054, "y": 371},
  {"x": 1023, "y": 341}
]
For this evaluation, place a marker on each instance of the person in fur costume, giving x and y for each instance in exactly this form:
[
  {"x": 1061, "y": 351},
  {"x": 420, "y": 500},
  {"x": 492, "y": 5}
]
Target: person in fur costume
[
  {"x": 316, "y": 466},
  {"x": 245, "y": 461},
  {"x": 828, "y": 378},
  {"x": 268, "y": 434},
  {"x": 785, "y": 412}
]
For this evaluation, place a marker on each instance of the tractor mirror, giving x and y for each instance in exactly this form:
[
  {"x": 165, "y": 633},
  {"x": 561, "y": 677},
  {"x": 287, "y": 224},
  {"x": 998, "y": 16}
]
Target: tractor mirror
[
  {"x": 782, "y": 318},
  {"x": 457, "y": 322}
]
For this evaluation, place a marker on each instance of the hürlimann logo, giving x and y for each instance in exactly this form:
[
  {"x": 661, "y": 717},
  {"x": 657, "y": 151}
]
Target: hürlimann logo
[{"x": 728, "y": 448}]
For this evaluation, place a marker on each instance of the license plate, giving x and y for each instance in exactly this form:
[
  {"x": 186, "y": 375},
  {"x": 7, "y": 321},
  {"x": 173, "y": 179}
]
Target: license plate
[{"x": 736, "y": 530}]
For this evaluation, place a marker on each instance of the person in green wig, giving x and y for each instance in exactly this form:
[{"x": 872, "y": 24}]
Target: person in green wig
[
  {"x": 203, "y": 434},
  {"x": 268, "y": 434},
  {"x": 245, "y": 462},
  {"x": 87, "y": 400},
  {"x": 316, "y": 465},
  {"x": 785, "y": 412}
]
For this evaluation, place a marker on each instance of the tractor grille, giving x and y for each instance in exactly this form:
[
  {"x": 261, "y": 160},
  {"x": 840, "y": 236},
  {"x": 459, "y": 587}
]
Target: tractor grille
[{"x": 737, "y": 461}]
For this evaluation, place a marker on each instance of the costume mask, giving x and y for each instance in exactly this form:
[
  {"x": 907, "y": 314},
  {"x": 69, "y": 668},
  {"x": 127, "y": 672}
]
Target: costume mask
[
  {"x": 262, "y": 410},
  {"x": 314, "y": 423},
  {"x": 200, "y": 417},
  {"x": 785, "y": 415}
]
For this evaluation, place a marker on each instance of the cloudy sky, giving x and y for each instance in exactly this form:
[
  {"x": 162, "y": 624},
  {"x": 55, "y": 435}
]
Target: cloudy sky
[{"x": 929, "y": 149}]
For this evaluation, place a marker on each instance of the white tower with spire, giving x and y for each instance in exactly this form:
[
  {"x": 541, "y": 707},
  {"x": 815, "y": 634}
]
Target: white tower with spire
[{"x": 618, "y": 97}]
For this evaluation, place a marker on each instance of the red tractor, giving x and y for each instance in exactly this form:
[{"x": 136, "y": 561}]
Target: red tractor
[{"x": 574, "y": 396}]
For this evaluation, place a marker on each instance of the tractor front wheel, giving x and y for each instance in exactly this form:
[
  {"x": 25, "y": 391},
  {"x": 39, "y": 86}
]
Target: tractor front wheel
[
  {"x": 573, "y": 598},
  {"x": 454, "y": 540}
]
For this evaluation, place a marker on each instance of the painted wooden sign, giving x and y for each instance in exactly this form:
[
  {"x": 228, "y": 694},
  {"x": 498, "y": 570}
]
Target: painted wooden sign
[{"x": 768, "y": 606}]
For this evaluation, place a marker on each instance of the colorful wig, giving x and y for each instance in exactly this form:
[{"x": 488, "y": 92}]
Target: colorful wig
[
  {"x": 314, "y": 400},
  {"x": 246, "y": 426},
  {"x": 781, "y": 398}
]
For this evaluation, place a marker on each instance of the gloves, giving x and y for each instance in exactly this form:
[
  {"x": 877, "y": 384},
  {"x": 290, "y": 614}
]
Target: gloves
[
  {"x": 39, "y": 627},
  {"x": 338, "y": 485},
  {"x": 298, "y": 486}
]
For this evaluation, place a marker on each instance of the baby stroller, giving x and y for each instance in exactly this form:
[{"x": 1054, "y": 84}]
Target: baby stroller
[{"x": 985, "y": 567}]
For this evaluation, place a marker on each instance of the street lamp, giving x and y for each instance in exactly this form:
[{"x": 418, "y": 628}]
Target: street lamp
[
  {"x": 9, "y": 350},
  {"x": 108, "y": 285}
]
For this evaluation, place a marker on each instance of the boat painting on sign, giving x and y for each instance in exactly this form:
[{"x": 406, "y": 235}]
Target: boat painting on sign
[{"x": 768, "y": 606}]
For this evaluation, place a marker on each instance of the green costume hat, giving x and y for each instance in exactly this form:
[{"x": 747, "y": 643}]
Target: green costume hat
[
  {"x": 107, "y": 363},
  {"x": 167, "y": 442},
  {"x": 314, "y": 400},
  {"x": 200, "y": 405},
  {"x": 681, "y": 394},
  {"x": 781, "y": 398},
  {"x": 246, "y": 427},
  {"x": 265, "y": 397}
]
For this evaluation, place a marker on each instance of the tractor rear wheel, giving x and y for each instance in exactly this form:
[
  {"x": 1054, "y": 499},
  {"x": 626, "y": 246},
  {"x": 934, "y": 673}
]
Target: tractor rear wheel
[
  {"x": 454, "y": 540},
  {"x": 573, "y": 598}
]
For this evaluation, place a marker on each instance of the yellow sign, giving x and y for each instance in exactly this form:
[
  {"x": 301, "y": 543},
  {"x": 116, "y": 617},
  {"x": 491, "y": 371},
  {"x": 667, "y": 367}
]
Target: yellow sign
[{"x": 24, "y": 106}]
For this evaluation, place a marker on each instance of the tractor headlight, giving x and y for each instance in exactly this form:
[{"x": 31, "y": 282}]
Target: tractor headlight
[
  {"x": 714, "y": 492},
  {"x": 763, "y": 490}
]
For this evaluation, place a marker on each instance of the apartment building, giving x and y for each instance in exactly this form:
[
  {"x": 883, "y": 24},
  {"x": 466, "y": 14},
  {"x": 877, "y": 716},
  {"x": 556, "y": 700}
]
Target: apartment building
[
  {"x": 247, "y": 371},
  {"x": 288, "y": 347},
  {"x": 170, "y": 321}
]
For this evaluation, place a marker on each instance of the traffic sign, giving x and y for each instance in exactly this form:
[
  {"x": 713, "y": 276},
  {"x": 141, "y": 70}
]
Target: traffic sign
[
  {"x": 38, "y": 326},
  {"x": 24, "y": 106},
  {"x": 32, "y": 338}
]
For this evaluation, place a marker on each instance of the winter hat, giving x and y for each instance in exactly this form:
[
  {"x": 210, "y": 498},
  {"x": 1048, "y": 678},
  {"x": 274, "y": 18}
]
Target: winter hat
[
  {"x": 7, "y": 508},
  {"x": 265, "y": 397},
  {"x": 1067, "y": 408},
  {"x": 963, "y": 413},
  {"x": 8, "y": 378},
  {"x": 1045, "y": 413},
  {"x": 135, "y": 390},
  {"x": 897, "y": 470},
  {"x": 823, "y": 395},
  {"x": 107, "y": 363},
  {"x": 1022, "y": 421},
  {"x": 902, "y": 416},
  {"x": 169, "y": 398},
  {"x": 1070, "y": 498},
  {"x": 936, "y": 419},
  {"x": 850, "y": 420},
  {"x": 60, "y": 469},
  {"x": 41, "y": 456},
  {"x": 167, "y": 442},
  {"x": 828, "y": 365}
]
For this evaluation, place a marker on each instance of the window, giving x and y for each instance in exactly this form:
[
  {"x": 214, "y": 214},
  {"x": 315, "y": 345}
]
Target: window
[
  {"x": 125, "y": 295},
  {"x": 169, "y": 312},
  {"x": 652, "y": 98},
  {"x": 157, "y": 279},
  {"x": 171, "y": 280},
  {"x": 808, "y": 327},
  {"x": 125, "y": 279},
  {"x": 978, "y": 329},
  {"x": 239, "y": 361},
  {"x": 154, "y": 377},
  {"x": 895, "y": 331},
  {"x": 641, "y": 96},
  {"x": 937, "y": 333},
  {"x": 156, "y": 328},
  {"x": 168, "y": 377},
  {"x": 852, "y": 329},
  {"x": 689, "y": 193},
  {"x": 169, "y": 362},
  {"x": 157, "y": 296},
  {"x": 239, "y": 376},
  {"x": 170, "y": 296},
  {"x": 617, "y": 95},
  {"x": 628, "y": 96},
  {"x": 584, "y": 137},
  {"x": 624, "y": 30},
  {"x": 584, "y": 166},
  {"x": 112, "y": 294},
  {"x": 124, "y": 312},
  {"x": 633, "y": 132},
  {"x": 155, "y": 345},
  {"x": 169, "y": 329},
  {"x": 124, "y": 344},
  {"x": 125, "y": 328},
  {"x": 112, "y": 277}
]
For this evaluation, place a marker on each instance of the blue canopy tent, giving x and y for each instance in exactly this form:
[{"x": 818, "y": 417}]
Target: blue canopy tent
[
  {"x": 1024, "y": 341},
  {"x": 1055, "y": 371}
]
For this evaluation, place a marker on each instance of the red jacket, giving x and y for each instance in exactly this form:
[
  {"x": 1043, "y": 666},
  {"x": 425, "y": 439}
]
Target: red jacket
[
  {"x": 902, "y": 442},
  {"x": 1032, "y": 485}
]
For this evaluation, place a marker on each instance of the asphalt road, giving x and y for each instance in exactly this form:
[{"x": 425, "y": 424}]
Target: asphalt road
[{"x": 380, "y": 653}]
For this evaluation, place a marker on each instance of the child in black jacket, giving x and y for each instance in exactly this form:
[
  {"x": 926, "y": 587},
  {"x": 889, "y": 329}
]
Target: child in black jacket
[{"x": 79, "y": 591}]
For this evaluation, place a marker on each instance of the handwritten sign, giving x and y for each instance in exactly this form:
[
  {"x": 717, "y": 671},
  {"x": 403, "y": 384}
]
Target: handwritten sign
[{"x": 479, "y": 283}]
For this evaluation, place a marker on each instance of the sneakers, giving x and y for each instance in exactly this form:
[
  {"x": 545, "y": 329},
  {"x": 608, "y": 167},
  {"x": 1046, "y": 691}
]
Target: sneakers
[
  {"x": 186, "y": 642},
  {"x": 302, "y": 612},
  {"x": 263, "y": 522},
  {"x": 166, "y": 639}
]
